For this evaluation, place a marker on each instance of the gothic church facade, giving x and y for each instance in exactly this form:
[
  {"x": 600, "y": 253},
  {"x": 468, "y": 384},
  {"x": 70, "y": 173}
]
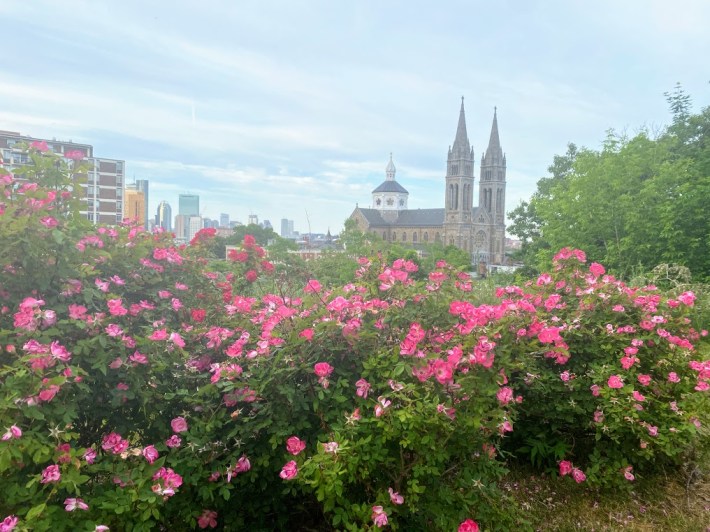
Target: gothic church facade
[{"x": 479, "y": 230}]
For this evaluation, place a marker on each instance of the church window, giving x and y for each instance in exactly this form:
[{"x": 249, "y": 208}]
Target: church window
[
  {"x": 437, "y": 237},
  {"x": 414, "y": 237},
  {"x": 390, "y": 201},
  {"x": 404, "y": 237},
  {"x": 426, "y": 236},
  {"x": 454, "y": 169},
  {"x": 378, "y": 202},
  {"x": 401, "y": 203},
  {"x": 384, "y": 235},
  {"x": 451, "y": 241},
  {"x": 394, "y": 236},
  {"x": 456, "y": 197}
]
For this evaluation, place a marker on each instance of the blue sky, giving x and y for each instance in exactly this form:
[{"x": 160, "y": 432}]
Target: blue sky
[{"x": 290, "y": 109}]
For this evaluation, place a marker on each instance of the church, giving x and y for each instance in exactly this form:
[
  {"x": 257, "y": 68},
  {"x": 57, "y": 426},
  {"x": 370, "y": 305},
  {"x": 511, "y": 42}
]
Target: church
[{"x": 479, "y": 229}]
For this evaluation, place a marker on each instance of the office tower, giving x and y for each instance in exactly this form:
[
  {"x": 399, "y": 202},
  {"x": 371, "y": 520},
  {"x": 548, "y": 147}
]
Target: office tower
[
  {"x": 164, "y": 216},
  {"x": 189, "y": 204}
]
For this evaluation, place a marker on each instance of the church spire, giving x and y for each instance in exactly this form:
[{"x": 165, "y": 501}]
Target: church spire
[
  {"x": 461, "y": 144},
  {"x": 390, "y": 170},
  {"x": 494, "y": 153}
]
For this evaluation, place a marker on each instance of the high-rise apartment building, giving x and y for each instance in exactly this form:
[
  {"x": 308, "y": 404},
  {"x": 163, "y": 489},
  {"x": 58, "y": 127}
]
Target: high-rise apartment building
[
  {"x": 224, "y": 220},
  {"x": 189, "y": 204},
  {"x": 104, "y": 187},
  {"x": 164, "y": 216}
]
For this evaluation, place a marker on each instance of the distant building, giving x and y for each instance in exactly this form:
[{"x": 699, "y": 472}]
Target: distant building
[
  {"x": 479, "y": 230},
  {"x": 266, "y": 224},
  {"x": 224, "y": 220},
  {"x": 253, "y": 220},
  {"x": 143, "y": 186},
  {"x": 164, "y": 216},
  {"x": 134, "y": 204},
  {"x": 186, "y": 227},
  {"x": 189, "y": 204},
  {"x": 287, "y": 228},
  {"x": 104, "y": 187}
]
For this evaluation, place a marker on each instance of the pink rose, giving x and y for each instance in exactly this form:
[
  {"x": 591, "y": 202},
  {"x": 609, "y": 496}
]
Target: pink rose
[
  {"x": 207, "y": 519},
  {"x": 51, "y": 474},
  {"x": 578, "y": 475},
  {"x": 289, "y": 470},
  {"x": 150, "y": 454},
  {"x": 294, "y": 445},
  {"x": 379, "y": 516},
  {"x": 179, "y": 425},
  {"x": 596, "y": 269},
  {"x": 395, "y": 497},
  {"x": 565, "y": 467},
  {"x": 469, "y": 525},
  {"x": 615, "y": 382},
  {"x": 323, "y": 369}
]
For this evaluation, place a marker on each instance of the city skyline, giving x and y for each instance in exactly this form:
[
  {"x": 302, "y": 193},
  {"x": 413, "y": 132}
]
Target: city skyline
[{"x": 297, "y": 122}]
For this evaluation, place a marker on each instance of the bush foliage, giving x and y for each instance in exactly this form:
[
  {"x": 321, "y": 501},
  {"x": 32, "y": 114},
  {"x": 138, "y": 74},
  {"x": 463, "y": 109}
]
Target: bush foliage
[{"x": 144, "y": 389}]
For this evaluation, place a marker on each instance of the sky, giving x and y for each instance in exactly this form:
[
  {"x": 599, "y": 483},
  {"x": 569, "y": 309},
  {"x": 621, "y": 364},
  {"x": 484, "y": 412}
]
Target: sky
[{"x": 290, "y": 109}]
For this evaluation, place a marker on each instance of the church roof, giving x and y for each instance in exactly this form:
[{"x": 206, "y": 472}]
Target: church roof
[
  {"x": 406, "y": 218},
  {"x": 390, "y": 186},
  {"x": 494, "y": 153},
  {"x": 461, "y": 145}
]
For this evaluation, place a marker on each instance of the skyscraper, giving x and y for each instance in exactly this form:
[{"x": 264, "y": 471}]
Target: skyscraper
[
  {"x": 134, "y": 204},
  {"x": 142, "y": 185},
  {"x": 224, "y": 220},
  {"x": 164, "y": 216},
  {"x": 189, "y": 204}
]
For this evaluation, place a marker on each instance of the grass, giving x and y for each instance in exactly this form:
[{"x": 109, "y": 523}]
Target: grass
[{"x": 674, "y": 503}]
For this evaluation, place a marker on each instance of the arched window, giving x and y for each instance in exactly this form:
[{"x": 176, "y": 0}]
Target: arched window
[
  {"x": 426, "y": 236},
  {"x": 404, "y": 237},
  {"x": 414, "y": 237},
  {"x": 384, "y": 235},
  {"x": 394, "y": 236},
  {"x": 437, "y": 237}
]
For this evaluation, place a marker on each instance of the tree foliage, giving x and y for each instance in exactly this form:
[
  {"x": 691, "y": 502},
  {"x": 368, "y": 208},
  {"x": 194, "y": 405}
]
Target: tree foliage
[{"x": 636, "y": 202}]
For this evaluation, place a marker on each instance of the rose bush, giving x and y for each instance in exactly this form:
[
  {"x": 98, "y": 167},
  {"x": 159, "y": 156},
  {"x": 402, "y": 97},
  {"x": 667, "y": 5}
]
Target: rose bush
[{"x": 144, "y": 387}]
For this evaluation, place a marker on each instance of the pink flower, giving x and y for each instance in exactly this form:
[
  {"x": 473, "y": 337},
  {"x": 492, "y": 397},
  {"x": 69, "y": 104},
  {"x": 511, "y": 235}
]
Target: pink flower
[
  {"x": 652, "y": 430},
  {"x": 207, "y": 519},
  {"x": 74, "y": 155},
  {"x": 382, "y": 403},
  {"x": 598, "y": 416},
  {"x": 9, "y": 523},
  {"x": 150, "y": 454},
  {"x": 312, "y": 286},
  {"x": 565, "y": 376},
  {"x": 687, "y": 298},
  {"x": 75, "y": 504},
  {"x": 90, "y": 455},
  {"x": 323, "y": 369},
  {"x": 596, "y": 269},
  {"x": 363, "y": 388},
  {"x": 644, "y": 380},
  {"x": 379, "y": 516},
  {"x": 578, "y": 475},
  {"x": 51, "y": 474},
  {"x": 469, "y": 525},
  {"x": 505, "y": 395},
  {"x": 294, "y": 445},
  {"x": 289, "y": 470},
  {"x": 638, "y": 397},
  {"x": 243, "y": 465},
  {"x": 173, "y": 441},
  {"x": 101, "y": 528},
  {"x": 565, "y": 467},
  {"x": 549, "y": 335},
  {"x": 673, "y": 377},
  {"x": 40, "y": 145},
  {"x": 595, "y": 390},
  {"x": 628, "y": 475},
  {"x": 13, "y": 432},
  {"x": 307, "y": 334},
  {"x": 114, "y": 443},
  {"x": 615, "y": 382},
  {"x": 179, "y": 425},
  {"x": 395, "y": 497},
  {"x": 330, "y": 447},
  {"x": 49, "y": 222}
]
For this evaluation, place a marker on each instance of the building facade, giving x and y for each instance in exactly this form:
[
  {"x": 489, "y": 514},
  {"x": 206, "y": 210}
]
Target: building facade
[
  {"x": 104, "y": 186},
  {"x": 189, "y": 204},
  {"x": 479, "y": 229},
  {"x": 134, "y": 204},
  {"x": 164, "y": 216}
]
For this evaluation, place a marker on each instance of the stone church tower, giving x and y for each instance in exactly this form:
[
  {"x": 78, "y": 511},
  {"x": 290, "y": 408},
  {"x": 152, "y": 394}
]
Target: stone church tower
[
  {"x": 459, "y": 189},
  {"x": 489, "y": 238}
]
